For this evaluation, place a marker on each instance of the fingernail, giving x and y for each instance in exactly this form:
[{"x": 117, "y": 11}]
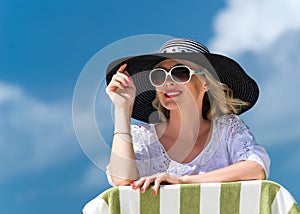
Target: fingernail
[
  {"x": 143, "y": 190},
  {"x": 155, "y": 192}
]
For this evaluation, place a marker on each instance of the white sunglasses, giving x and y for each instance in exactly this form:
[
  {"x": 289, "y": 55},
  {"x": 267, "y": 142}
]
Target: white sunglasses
[{"x": 180, "y": 74}]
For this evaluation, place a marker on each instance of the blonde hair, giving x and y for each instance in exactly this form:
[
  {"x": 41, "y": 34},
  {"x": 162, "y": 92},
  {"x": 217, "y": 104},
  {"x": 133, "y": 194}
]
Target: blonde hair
[{"x": 217, "y": 100}]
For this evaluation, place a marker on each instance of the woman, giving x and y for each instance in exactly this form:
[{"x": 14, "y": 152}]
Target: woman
[{"x": 195, "y": 136}]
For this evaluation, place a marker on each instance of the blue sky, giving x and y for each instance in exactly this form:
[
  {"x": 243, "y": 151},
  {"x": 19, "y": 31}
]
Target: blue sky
[{"x": 44, "y": 47}]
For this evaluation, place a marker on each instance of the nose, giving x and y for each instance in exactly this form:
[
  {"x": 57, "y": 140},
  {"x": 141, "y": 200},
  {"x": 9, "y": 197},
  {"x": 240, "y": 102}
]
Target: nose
[{"x": 169, "y": 81}]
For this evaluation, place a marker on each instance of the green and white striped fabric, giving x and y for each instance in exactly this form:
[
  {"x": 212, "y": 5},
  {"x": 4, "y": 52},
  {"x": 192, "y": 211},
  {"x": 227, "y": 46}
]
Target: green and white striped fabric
[{"x": 227, "y": 198}]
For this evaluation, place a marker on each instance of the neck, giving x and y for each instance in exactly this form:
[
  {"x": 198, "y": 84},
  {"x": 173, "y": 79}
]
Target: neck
[
  {"x": 188, "y": 123},
  {"x": 188, "y": 133}
]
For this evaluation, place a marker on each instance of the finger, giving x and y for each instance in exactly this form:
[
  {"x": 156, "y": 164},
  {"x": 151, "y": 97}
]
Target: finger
[
  {"x": 123, "y": 75},
  {"x": 157, "y": 183},
  {"x": 121, "y": 78},
  {"x": 129, "y": 77},
  {"x": 122, "y": 68},
  {"x": 120, "y": 85},
  {"x": 138, "y": 183},
  {"x": 147, "y": 183},
  {"x": 114, "y": 85},
  {"x": 126, "y": 72},
  {"x": 111, "y": 88}
]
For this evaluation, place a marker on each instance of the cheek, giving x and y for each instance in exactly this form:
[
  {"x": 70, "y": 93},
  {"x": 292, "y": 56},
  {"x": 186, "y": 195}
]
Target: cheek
[
  {"x": 195, "y": 87},
  {"x": 161, "y": 97},
  {"x": 159, "y": 94}
]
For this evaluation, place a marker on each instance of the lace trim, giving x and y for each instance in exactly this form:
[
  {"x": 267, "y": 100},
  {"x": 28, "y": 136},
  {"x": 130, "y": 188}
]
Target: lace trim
[{"x": 201, "y": 159}]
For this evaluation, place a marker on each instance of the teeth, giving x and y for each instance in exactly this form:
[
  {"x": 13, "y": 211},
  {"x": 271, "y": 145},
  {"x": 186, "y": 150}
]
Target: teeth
[{"x": 172, "y": 93}]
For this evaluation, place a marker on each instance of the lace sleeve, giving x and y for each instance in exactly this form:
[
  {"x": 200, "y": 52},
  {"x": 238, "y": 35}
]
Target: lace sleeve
[{"x": 242, "y": 144}]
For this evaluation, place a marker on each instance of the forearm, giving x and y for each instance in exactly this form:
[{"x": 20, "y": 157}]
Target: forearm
[
  {"x": 244, "y": 170},
  {"x": 122, "y": 162}
]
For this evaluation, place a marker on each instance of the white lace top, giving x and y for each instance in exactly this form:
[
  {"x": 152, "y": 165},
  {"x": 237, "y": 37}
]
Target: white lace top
[{"x": 231, "y": 141}]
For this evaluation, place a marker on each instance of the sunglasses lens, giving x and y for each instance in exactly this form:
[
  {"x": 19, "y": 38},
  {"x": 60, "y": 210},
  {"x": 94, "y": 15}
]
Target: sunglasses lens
[
  {"x": 180, "y": 74},
  {"x": 157, "y": 77}
]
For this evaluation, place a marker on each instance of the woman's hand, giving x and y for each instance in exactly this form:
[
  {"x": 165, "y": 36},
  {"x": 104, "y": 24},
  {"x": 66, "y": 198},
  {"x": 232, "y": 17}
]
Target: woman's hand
[
  {"x": 159, "y": 178},
  {"x": 121, "y": 89}
]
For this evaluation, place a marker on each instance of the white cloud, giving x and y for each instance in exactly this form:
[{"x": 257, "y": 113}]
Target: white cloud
[
  {"x": 277, "y": 115},
  {"x": 265, "y": 36},
  {"x": 33, "y": 134},
  {"x": 253, "y": 25}
]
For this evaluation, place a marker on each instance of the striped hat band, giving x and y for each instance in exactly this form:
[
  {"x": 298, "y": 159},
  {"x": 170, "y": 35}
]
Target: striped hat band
[{"x": 183, "y": 46}]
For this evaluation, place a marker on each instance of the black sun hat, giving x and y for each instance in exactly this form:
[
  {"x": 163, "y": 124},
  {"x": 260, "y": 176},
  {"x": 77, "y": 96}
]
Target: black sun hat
[{"x": 224, "y": 69}]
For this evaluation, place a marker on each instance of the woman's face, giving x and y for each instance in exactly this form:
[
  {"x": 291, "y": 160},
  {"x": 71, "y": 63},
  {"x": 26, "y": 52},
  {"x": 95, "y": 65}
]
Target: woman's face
[{"x": 172, "y": 94}]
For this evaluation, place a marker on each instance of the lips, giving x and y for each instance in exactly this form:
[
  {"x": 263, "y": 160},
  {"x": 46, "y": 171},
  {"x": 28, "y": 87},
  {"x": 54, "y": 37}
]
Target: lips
[{"x": 172, "y": 93}]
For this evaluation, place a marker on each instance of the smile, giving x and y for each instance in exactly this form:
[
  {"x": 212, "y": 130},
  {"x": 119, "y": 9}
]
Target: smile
[{"x": 172, "y": 93}]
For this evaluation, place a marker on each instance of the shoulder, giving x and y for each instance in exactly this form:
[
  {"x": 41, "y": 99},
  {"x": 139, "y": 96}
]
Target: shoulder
[
  {"x": 228, "y": 120},
  {"x": 231, "y": 123}
]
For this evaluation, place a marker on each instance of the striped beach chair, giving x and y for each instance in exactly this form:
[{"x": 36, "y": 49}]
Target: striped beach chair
[{"x": 245, "y": 197}]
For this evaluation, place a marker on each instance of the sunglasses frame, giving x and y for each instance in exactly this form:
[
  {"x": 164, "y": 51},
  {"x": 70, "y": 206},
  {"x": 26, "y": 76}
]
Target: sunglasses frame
[{"x": 169, "y": 74}]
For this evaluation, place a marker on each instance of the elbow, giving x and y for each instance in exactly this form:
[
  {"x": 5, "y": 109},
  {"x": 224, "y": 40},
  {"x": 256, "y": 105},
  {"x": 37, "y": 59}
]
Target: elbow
[
  {"x": 120, "y": 182},
  {"x": 121, "y": 177},
  {"x": 262, "y": 174},
  {"x": 259, "y": 172}
]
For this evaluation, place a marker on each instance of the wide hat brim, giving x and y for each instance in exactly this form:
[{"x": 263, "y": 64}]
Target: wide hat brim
[{"x": 224, "y": 69}]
